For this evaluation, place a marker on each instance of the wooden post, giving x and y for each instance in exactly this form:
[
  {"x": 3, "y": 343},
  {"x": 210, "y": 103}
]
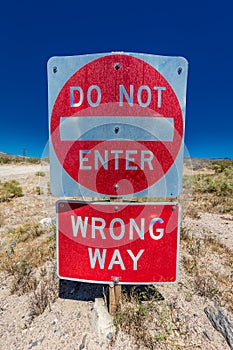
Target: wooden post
[
  {"x": 114, "y": 288},
  {"x": 112, "y": 300},
  {"x": 117, "y": 290},
  {"x": 114, "y": 297}
]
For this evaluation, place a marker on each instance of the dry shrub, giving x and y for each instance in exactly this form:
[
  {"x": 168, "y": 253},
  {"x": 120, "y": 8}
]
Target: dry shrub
[
  {"x": 26, "y": 232},
  {"x": 9, "y": 189},
  {"x": 38, "y": 190},
  {"x": 206, "y": 286},
  {"x": 29, "y": 246},
  {"x": 138, "y": 307},
  {"x": 214, "y": 192},
  {"x": 190, "y": 264},
  {"x": 23, "y": 280},
  {"x": 45, "y": 293},
  {"x": 198, "y": 257},
  {"x": 40, "y": 173}
]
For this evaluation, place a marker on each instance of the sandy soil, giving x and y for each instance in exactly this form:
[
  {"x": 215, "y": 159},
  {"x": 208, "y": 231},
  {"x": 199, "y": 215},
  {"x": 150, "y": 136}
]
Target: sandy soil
[{"x": 15, "y": 170}]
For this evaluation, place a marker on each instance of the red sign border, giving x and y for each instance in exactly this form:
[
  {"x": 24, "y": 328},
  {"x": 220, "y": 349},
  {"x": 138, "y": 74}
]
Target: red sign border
[{"x": 73, "y": 202}]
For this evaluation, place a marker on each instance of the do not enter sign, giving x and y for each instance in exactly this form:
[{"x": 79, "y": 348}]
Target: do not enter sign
[{"x": 116, "y": 124}]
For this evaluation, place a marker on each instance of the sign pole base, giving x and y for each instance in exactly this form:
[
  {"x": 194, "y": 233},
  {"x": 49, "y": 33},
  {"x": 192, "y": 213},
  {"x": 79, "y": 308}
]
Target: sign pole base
[
  {"x": 114, "y": 297},
  {"x": 114, "y": 288}
]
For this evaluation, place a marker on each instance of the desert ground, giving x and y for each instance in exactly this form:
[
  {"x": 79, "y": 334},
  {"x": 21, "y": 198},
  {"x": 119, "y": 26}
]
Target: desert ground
[{"x": 39, "y": 311}]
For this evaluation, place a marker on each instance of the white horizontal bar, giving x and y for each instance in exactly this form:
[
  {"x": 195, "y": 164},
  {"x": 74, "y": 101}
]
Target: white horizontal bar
[{"x": 117, "y": 128}]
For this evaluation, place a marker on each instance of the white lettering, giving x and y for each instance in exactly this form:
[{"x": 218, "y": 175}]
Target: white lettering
[
  {"x": 80, "y": 90},
  {"x": 79, "y": 223},
  {"x": 145, "y": 104},
  {"x": 128, "y": 160},
  {"x": 96, "y": 227},
  {"x": 148, "y": 160},
  {"x": 116, "y": 260},
  {"x": 97, "y": 256},
  {"x": 89, "y": 99},
  {"x": 101, "y": 158},
  {"x": 76, "y": 100},
  {"x": 158, "y": 230},
  {"x": 135, "y": 258},
  {"x": 129, "y": 97},
  {"x": 121, "y": 235},
  {"x": 116, "y": 228},
  {"x": 103, "y": 162},
  {"x": 116, "y": 152},
  {"x": 140, "y": 231},
  {"x": 159, "y": 89},
  {"x": 83, "y": 159}
]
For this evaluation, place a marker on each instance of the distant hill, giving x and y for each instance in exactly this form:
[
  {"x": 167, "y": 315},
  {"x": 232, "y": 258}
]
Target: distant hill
[
  {"x": 8, "y": 155},
  {"x": 6, "y": 158},
  {"x": 200, "y": 163}
]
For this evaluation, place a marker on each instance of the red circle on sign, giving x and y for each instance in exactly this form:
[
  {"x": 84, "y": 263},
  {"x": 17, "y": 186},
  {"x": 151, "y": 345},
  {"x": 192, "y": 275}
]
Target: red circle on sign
[{"x": 113, "y": 166}]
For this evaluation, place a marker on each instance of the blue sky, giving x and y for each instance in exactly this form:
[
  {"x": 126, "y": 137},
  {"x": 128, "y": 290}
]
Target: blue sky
[{"x": 31, "y": 32}]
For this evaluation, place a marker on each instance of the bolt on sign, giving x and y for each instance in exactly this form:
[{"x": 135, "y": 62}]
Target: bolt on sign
[
  {"x": 116, "y": 125},
  {"x": 131, "y": 243}
]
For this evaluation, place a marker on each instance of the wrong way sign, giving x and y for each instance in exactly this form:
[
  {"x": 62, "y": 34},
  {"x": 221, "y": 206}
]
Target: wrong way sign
[
  {"x": 131, "y": 243},
  {"x": 116, "y": 124}
]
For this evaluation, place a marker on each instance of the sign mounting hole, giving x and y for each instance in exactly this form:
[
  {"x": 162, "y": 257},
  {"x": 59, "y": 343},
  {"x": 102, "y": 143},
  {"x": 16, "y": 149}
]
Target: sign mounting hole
[
  {"x": 117, "y": 66},
  {"x": 116, "y": 129},
  {"x": 179, "y": 70}
]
